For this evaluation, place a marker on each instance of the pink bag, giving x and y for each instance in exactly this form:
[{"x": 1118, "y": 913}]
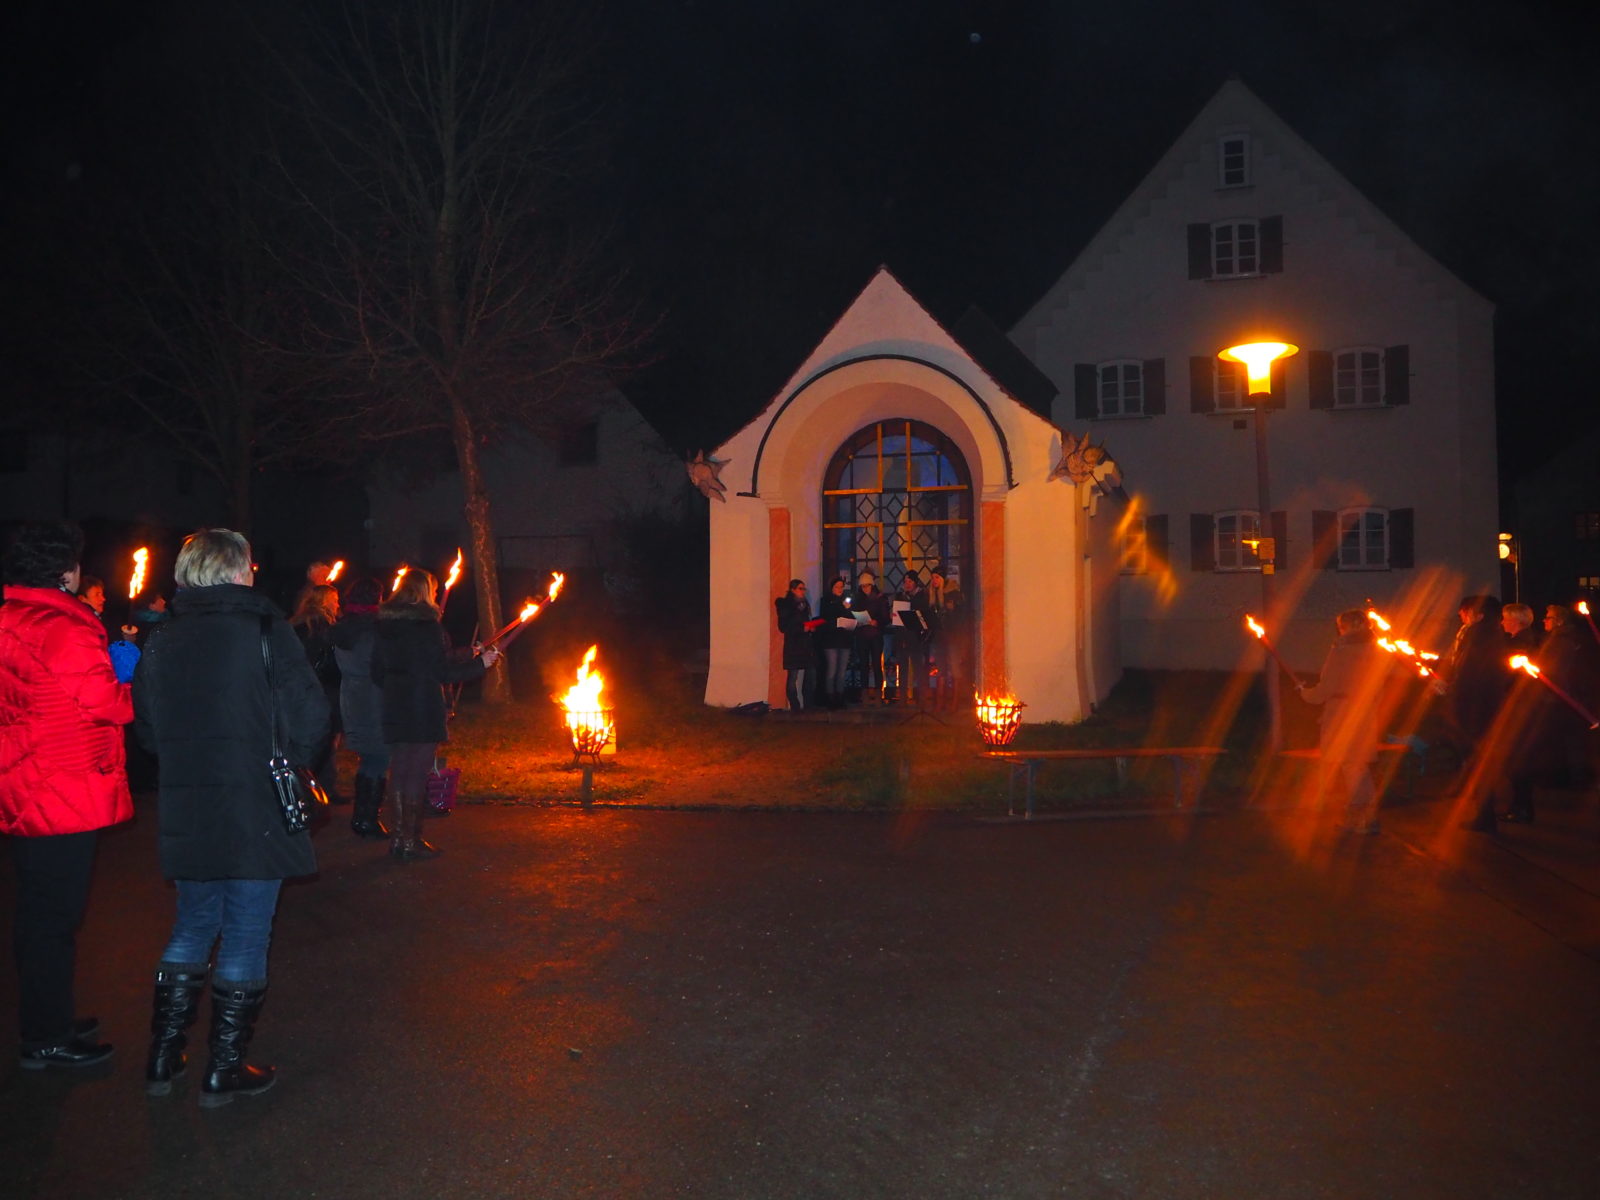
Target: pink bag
[{"x": 442, "y": 784}]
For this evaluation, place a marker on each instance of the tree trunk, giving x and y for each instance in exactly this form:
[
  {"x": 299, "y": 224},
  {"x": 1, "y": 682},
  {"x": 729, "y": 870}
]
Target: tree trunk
[{"x": 480, "y": 534}]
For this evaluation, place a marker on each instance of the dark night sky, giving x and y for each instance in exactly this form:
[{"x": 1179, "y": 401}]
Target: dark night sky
[{"x": 767, "y": 154}]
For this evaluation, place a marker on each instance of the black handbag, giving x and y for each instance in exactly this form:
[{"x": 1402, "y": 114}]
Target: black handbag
[{"x": 300, "y": 796}]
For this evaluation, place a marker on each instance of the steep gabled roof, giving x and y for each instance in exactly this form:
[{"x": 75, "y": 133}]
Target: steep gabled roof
[{"x": 1235, "y": 105}]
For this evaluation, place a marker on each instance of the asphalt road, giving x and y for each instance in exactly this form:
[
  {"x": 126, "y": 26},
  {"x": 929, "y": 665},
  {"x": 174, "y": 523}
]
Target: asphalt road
[{"x": 628, "y": 1003}]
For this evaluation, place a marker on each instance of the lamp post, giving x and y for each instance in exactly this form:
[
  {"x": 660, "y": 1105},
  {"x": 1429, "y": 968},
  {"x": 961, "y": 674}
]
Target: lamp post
[{"x": 1258, "y": 358}]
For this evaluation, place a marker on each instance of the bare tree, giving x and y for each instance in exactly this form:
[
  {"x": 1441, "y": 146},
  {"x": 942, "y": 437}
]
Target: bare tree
[{"x": 455, "y": 287}]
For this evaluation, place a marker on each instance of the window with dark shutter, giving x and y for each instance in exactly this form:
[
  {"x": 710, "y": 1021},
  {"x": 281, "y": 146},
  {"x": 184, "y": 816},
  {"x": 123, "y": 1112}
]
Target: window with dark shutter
[
  {"x": 1085, "y": 391},
  {"x": 1200, "y": 251},
  {"x": 1271, "y": 245},
  {"x": 1155, "y": 540},
  {"x": 1402, "y": 538},
  {"x": 1202, "y": 542},
  {"x": 1319, "y": 378},
  {"x": 1202, "y": 393},
  {"x": 1397, "y": 375},
  {"x": 1155, "y": 386}
]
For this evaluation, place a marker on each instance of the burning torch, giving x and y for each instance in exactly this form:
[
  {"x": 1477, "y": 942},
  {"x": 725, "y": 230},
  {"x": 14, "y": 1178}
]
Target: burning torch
[
  {"x": 1260, "y": 631},
  {"x": 335, "y": 571},
  {"x": 1583, "y": 607},
  {"x": 141, "y": 557},
  {"x": 1521, "y": 662},
  {"x": 450, "y": 580},
  {"x": 530, "y": 610}
]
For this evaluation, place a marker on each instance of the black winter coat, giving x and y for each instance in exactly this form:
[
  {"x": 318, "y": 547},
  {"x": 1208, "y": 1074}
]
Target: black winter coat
[
  {"x": 411, "y": 663},
  {"x": 201, "y": 704},
  {"x": 360, "y": 702},
  {"x": 793, "y": 613}
]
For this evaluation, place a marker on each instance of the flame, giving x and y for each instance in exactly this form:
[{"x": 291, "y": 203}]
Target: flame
[
  {"x": 398, "y": 576},
  {"x": 584, "y": 696},
  {"x": 1255, "y": 626},
  {"x": 557, "y": 582},
  {"x": 998, "y": 718},
  {"x": 336, "y": 570},
  {"x": 1376, "y": 618},
  {"x": 590, "y": 724},
  {"x": 530, "y": 609},
  {"x": 141, "y": 556},
  {"x": 1583, "y": 607},
  {"x": 1521, "y": 662},
  {"x": 455, "y": 571}
]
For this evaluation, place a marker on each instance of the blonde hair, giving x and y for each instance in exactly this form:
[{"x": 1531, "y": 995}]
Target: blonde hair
[
  {"x": 212, "y": 556},
  {"x": 320, "y": 600},
  {"x": 416, "y": 587}
]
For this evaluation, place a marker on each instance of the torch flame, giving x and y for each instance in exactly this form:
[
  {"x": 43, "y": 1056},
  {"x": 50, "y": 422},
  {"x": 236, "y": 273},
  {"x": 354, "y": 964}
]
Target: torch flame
[
  {"x": 141, "y": 556},
  {"x": 336, "y": 570},
  {"x": 455, "y": 571},
  {"x": 1521, "y": 662},
  {"x": 557, "y": 582},
  {"x": 1256, "y": 627},
  {"x": 398, "y": 576},
  {"x": 530, "y": 609},
  {"x": 1583, "y": 607},
  {"x": 1376, "y": 618}
]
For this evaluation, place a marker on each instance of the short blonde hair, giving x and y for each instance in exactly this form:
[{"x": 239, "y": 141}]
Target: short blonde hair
[{"x": 212, "y": 556}]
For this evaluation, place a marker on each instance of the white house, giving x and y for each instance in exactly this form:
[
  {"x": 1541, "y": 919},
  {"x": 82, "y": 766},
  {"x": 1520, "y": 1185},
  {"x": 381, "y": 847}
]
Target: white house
[
  {"x": 890, "y": 449},
  {"x": 1380, "y": 436}
]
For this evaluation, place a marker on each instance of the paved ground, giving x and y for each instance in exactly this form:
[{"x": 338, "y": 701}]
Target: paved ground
[{"x": 627, "y": 1003}]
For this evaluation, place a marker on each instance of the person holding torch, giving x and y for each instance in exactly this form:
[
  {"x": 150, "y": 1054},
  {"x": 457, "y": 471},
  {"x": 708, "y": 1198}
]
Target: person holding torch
[{"x": 411, "y": 662}]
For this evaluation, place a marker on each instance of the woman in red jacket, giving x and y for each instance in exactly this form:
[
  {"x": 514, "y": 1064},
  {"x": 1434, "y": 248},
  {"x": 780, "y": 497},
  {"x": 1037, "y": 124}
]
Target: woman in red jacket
[{"x": 62, "y": 779}]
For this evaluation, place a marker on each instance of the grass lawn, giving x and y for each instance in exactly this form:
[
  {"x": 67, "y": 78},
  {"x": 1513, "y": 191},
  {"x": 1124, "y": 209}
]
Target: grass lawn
[{"x": 676, "y": 753}]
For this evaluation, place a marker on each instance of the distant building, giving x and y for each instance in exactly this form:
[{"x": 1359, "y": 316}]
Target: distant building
[{"x": 1381, "y": 434}]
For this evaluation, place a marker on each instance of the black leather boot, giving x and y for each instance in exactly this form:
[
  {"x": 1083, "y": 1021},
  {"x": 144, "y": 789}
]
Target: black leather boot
[
  {"x": 409, "y": 845},
  {"x": 364, "y": 819},
  {"x": 234, "y": 1009},
  {"x": 177, "y": 1002}
]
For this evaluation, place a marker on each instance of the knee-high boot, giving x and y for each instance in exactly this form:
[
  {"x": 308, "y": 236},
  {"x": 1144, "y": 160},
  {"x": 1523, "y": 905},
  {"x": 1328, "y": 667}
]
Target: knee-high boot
[
  {"x": 409, "y": 845},
  {"x": 364, "y": 819},
  {"x": 234, "y": 1009},
  {"x": 177, "y": 1002}
]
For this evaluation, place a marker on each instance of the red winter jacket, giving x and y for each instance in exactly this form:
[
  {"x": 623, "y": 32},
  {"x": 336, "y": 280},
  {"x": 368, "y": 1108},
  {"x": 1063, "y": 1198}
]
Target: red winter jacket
[{"x": 62, "y": 767}]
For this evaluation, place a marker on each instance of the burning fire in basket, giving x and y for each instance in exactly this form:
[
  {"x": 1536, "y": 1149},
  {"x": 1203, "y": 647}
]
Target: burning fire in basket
[
  {"x": 590, "y": 725},
  {"x": 999, "y": 717}
]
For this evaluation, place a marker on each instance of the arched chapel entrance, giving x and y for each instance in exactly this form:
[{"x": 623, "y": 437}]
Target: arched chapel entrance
[{"x": 897, "y": 498}]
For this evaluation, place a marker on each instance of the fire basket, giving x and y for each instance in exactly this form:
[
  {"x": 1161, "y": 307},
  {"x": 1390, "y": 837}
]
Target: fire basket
[
  {"x": 999, "y": 718},
  {"x": 590, "y": 732}
]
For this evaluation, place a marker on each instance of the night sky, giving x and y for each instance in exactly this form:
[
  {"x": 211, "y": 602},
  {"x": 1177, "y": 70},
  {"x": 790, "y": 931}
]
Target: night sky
[{"x": 766, "y": 155}]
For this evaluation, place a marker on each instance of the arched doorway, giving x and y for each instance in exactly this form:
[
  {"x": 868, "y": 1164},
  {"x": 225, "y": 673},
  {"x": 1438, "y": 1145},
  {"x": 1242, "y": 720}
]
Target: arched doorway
[{"x": 897, "y": 497}]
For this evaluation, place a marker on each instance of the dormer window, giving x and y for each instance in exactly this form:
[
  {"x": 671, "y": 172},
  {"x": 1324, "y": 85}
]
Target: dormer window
[{"x": 1233, "y": 160}]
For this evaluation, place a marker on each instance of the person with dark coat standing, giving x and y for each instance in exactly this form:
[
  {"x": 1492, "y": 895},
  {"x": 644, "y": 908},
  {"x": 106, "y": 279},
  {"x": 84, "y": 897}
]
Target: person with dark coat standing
[
  {"x": 313, "y": 621},
  {"x": 870, "y": 635},
  {"x": 411, "y": 662},
  {"x": 836, "y": 641},
  {"x": 361, "y": 704},
  {"x": 915, "y": 640},
  {"x": 62, "y": 780},
  {"x": 799, "y": 658},
  {"x": 1477, "y": 676},
  {"x": 203, "y": 701}
]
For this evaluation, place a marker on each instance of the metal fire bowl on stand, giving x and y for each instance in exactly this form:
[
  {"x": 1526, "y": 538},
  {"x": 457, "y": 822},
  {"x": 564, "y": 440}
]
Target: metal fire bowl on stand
[
  {"x": 999, "y": 720},
  {"x": 590, "y": 731}
]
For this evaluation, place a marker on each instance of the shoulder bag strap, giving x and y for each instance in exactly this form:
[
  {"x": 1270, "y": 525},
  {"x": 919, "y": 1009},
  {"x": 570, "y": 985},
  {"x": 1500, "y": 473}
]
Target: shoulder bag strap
[{"x": 272, "y": 690}]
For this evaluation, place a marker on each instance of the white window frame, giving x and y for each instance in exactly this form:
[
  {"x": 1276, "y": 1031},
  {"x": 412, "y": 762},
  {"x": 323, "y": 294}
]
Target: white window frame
[
  {"x": 1371, "y": 549},
  {"x": 1228, "y": 258},
  {"x": 1358, "y": 383},
  {"x": 1135, "y": 547},
  {"x": 1119, "y": 388},
  {"x": 1225, "y": 143},
  {"x": 1230, "y": 531},
  {"x": 1230, "y": 387}
]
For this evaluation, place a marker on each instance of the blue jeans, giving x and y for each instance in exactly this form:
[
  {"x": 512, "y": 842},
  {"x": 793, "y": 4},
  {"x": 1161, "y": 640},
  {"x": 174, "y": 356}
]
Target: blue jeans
[{"x": 240, "y": 911}]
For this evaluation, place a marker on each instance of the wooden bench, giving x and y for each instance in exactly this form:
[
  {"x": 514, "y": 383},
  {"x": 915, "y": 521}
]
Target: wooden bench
[{"x": 1185, "y": 762}]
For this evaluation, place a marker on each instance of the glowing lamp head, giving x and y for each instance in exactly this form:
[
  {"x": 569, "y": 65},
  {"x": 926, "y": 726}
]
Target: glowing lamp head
[{"x": 1258, "y": 358}]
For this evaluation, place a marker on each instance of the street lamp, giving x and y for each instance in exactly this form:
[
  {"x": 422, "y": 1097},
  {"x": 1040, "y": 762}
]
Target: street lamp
[{"x": 1258, "y": 358}]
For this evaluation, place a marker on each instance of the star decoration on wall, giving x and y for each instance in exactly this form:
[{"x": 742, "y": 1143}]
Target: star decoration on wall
[{"x": 705, "y": 473}]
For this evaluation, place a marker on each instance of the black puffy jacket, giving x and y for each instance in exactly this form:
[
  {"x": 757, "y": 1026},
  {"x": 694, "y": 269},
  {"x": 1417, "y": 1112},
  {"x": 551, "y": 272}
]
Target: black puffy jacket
[
  {"x": 201, "y": 705},
  {"x": 411, "y": 663}
]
